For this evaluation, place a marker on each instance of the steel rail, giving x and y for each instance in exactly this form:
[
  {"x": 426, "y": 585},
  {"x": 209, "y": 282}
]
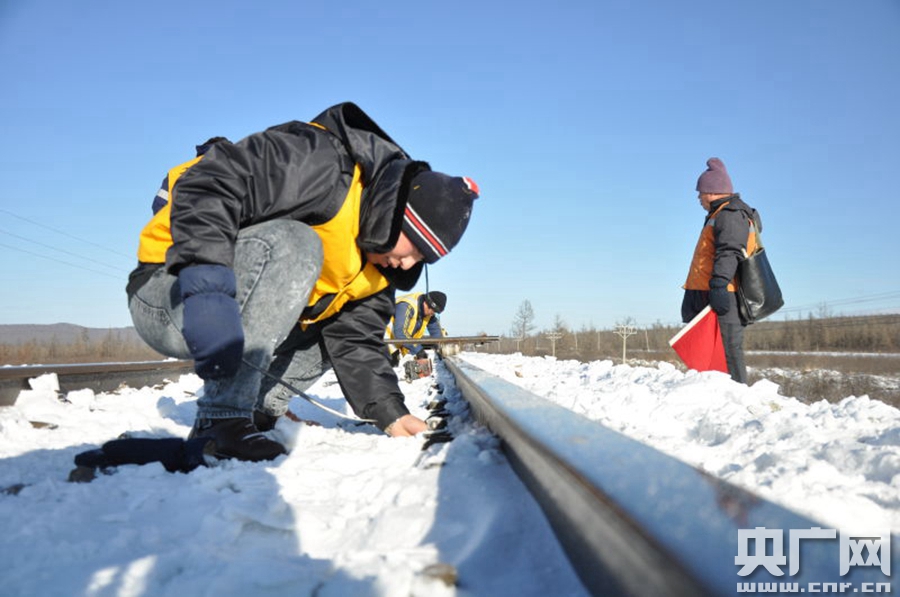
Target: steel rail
[
  {"x": 100, "y": 377},
  {"x": 633, "y": 520},
  {"x": 447, "y": 345},
  {"x": 426, "y": 340}
]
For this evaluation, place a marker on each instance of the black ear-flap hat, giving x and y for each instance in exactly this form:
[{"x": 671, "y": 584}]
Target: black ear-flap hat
[
  {"x": 436, "y": 300},
  {"x": 438, "y": 210}
]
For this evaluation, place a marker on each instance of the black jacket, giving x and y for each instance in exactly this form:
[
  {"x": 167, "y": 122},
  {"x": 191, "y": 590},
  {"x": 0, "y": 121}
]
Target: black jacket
[
  {"x": 302, "y": 172},
  {"x": 732, "y": 225},
  {"x": 296, "y": 171}
]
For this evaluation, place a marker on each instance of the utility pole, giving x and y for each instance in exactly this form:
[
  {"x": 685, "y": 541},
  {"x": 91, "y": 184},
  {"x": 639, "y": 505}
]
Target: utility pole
[
  {"x": 624, "y": 331},
  {"x": 553, "y": 337}
]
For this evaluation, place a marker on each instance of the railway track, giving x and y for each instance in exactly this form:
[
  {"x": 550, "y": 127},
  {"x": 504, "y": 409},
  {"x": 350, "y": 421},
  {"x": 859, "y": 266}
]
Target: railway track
[
  {"x": 100, "y": 377},
  {"x": 632, "y": 520},
  {"x": 105, "y": 377}
]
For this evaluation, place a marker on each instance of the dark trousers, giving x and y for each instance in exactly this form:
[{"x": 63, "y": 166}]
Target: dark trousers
[{"x": 733, "y": 339}]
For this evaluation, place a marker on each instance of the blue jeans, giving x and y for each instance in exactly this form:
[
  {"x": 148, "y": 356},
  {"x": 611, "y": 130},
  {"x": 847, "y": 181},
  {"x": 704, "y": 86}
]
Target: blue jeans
[{"x": 276, "y": 265}]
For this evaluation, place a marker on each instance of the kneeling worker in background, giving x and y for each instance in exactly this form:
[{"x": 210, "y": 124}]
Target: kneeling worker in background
[{"x": 414, "y": 315}]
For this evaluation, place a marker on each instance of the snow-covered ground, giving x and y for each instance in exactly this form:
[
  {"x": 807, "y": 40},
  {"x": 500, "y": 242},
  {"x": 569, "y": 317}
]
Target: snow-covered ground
[
  {"x": 836, "y": 463},
  {"x": 350, "y": 511}
]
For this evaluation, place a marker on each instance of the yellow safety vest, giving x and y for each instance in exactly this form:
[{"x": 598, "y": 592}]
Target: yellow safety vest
[
  {"x": 409, "y": 326},
  {"x": 343, "y": 274},
  {"x": 156, "y": 237}
]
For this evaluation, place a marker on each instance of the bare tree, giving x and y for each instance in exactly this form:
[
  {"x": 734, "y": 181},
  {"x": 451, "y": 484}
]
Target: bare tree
[
  {"x": 559, "y": 326},
  {"x": 523, "y": 322}
]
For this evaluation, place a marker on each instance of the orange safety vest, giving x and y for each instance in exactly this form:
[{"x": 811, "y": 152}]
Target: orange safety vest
[{"x": 701, "y": 269}]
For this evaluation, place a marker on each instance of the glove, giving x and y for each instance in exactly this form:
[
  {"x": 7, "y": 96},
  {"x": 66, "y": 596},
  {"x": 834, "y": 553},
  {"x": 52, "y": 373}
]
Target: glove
[
  {"x": 718, "y": 297},
  {"x": 421, "y": 355},
  {"x": 212, "y": 320}
]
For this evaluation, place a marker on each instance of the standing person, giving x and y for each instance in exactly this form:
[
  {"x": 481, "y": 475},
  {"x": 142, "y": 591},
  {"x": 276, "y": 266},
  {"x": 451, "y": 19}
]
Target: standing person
[
  {"x": 414, "y": 314},
  {"x": 165, "y": 189},
  {"x": 724, "y": 240},
  {"x": 283, "y": 252}
]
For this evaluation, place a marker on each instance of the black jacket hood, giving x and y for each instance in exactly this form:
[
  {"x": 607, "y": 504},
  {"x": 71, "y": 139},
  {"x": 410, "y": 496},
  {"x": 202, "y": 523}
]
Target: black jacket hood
[
  {"x": 386, "y": 172},
  {"x": 735, "y": 203}
]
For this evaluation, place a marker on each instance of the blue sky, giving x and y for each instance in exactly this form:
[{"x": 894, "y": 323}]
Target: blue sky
[{"x": 586, "y": 125}]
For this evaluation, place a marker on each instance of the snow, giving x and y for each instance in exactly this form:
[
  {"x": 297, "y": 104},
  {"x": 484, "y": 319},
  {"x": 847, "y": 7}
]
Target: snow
[
  {"x": 347, "y": 512},
  {"x": 838, "y": 464},
  {"x": 350, "y": 511}
]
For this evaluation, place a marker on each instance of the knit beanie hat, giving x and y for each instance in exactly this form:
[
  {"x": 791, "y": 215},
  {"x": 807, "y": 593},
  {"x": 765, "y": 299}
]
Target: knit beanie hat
[
  {"x": 715, "y": 179},
  {"x": 437, "y": 300},
  {"x": 437, "y": 212}
]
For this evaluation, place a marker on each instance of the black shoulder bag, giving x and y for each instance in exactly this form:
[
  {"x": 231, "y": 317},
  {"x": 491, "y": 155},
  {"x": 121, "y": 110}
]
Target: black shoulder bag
[{"x": 758, "y": 293}]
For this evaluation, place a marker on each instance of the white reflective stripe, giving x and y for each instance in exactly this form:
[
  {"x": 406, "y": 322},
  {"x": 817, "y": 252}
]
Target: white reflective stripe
[
  {"x": 163, "y": 194},
  {"x": 421, "y": 227}
]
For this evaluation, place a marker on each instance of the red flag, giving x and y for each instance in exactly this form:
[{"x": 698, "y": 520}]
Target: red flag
[{"x": 699, "y": 343}]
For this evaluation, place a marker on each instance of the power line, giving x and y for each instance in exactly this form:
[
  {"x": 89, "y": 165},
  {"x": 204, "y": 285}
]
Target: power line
[
  {"x": 894, "y": 294},
  {"x": 60, "y": 261},
  {"x": 832, "y": 322},
  {"x": 64, "y": 233},
  {"x": 52, "y": 248}
]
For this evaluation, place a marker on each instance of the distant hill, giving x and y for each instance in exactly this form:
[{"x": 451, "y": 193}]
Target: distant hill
[{"x": 61, "y": 333}]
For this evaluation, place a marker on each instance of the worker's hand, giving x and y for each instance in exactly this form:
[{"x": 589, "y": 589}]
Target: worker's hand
[
  {"x": 422, "y": 354},
  {"x": 718, "y": 297},
  {"x": 406, "y": 426},
  {"x": 212, "y": 325}
]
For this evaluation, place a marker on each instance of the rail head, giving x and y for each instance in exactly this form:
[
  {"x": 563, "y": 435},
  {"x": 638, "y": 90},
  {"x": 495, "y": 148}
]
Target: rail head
[
  {"x": 634, "y": 521},
  {"x": 99, "y": 377},
  {"x": 436, "y": 341},
  {"x": 31, "y": 371}
]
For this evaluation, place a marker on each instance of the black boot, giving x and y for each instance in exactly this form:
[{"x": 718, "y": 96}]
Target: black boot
[
  {"x": 237, "y": 438},
  {"x": 264, "y": 421}
]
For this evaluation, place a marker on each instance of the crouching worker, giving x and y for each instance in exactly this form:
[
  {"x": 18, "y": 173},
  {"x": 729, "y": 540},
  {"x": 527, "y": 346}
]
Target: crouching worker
[
  {"x": 414, "y": 315},
  {"x": 282, "y": 253}
]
